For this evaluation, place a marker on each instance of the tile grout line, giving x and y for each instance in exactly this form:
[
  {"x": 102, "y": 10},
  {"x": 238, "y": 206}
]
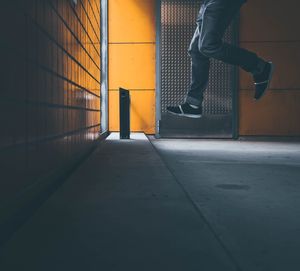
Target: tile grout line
[{"x": 197, "y": 209}]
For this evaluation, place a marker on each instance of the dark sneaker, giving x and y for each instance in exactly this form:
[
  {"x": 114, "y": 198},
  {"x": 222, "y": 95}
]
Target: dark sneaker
[
  {"x": 185, "y": 110},
  {"x": 263, "y": 80}
]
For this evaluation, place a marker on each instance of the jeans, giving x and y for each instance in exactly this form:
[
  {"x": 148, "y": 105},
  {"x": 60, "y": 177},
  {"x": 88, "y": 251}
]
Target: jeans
[{"x": 213, "y": 19}]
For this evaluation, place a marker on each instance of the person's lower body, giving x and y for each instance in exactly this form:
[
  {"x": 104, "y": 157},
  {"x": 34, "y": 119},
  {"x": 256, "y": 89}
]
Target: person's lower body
[{"x": 213, "y": 19}]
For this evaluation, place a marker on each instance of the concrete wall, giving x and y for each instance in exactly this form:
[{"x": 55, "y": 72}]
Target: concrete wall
[
  {"x": 50, "y": 87},
  {"x": 271, "y": 28},
  {"x": 132, "y": 61}
]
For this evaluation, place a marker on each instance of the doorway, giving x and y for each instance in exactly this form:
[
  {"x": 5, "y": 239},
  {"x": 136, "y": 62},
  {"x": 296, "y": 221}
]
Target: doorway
[{"x": 175, "y": 28}]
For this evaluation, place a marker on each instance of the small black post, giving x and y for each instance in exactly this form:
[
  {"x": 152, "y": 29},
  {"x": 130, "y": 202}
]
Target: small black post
[{"x": 124, "y": 114}]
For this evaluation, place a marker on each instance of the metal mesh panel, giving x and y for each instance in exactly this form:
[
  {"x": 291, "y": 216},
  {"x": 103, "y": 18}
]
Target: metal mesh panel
[{"x": 178, "y": 24}]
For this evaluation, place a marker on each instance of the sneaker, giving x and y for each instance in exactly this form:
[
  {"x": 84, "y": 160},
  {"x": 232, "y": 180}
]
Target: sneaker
[
  {"x": 262, "y": 81},
  {"x": 185, "y": 110}
]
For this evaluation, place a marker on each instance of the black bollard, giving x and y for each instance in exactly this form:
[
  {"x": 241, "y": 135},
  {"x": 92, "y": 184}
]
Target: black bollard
[{"x": 124, "y": 114}]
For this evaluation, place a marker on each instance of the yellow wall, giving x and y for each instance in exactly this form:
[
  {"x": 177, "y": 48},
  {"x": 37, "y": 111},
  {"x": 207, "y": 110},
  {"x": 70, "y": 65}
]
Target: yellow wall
[
  {"x": 132, "y": 61},
  {"x": 50, "y": 93},
  {"x": 274, "y": 35}
]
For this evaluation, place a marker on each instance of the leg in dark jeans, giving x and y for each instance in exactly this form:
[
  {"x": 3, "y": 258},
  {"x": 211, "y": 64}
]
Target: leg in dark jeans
[{"x": 213, "y": 19}]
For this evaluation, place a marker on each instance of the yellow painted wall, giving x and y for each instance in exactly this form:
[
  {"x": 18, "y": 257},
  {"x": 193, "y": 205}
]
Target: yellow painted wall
[
  {"x": 274, "y": 35},
  {"x": 132, "y": 61}
]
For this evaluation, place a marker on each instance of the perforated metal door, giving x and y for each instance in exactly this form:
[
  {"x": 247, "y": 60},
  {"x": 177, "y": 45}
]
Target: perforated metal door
[{"x": 176, "y": 28}]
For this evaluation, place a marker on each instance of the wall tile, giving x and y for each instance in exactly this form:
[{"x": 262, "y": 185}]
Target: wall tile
[
  {"x": 49, "y": 67},
  {"x": 131, "y": 21},
  {"x": 276, "y": 114},
  {"x": 270, "y": 20}
]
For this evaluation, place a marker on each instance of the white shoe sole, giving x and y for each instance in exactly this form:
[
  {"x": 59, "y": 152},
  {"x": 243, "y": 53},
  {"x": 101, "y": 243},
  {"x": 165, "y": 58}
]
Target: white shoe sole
[{"x": 192, "y": 116}]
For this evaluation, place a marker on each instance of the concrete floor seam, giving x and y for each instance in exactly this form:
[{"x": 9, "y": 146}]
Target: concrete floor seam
[{"x": 198, "y": 210}]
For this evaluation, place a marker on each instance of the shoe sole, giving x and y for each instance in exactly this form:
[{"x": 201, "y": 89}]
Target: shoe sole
[
  {"x": 191, "y": 116},
  {"x": 269, "y": 81}
]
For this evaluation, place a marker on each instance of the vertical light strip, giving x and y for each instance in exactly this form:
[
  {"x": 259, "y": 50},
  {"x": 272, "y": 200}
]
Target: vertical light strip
[{"x": 104, "y": 66}]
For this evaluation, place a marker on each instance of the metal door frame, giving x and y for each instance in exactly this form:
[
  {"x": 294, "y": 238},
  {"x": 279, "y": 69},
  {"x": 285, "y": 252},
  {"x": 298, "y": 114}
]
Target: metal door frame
[
  {"x": 235, "y": 80},
  {"x": 104, "y": 65},
  {"x": 158, "y": 67}
]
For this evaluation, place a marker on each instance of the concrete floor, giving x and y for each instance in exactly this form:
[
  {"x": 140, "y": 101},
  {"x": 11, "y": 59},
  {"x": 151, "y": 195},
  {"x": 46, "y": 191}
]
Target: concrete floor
[
  {"x": 169, "y": 205},
  {"x": 249, "y": 194}
]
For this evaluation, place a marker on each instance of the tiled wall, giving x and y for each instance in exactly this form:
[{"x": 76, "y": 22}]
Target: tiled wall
[
  {"x": 271, "y": 28},
  {"x": 50, "y": 88},
  {"x": 132, "y": 61}
]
